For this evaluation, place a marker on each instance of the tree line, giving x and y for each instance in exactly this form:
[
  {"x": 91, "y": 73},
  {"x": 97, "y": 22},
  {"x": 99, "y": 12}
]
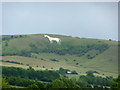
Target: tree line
[
  {"x": 31, "y": 78},
  {"x": 30, "y": 73}
]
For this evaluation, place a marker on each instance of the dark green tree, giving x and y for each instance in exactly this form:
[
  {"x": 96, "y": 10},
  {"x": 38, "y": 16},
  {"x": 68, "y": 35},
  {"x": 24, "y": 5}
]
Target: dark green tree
[
  {"x": 64, "y": 83},
  {"x": 33, "y": 86},
  {"x": 116, "y": 83},
  {"x": 5, "y": 84},
  {"x": 90, "y": 73}
]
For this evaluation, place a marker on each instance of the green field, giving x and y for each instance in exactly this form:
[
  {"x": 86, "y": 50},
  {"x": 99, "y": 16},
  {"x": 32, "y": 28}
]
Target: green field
[{"x": 80, "y": 54}]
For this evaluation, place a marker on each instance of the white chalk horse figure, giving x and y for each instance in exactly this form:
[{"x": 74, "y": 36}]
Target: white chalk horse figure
[{"x": 51, "y": 39}]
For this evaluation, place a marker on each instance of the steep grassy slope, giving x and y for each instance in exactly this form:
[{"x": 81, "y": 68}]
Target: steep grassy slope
[
  {"x": 38, "y": 43},
  {"x": 74, "y": 53}
]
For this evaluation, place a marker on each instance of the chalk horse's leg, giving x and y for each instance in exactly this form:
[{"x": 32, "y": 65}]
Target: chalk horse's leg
[
  {"x": 59, "y": 41},
  {"x": 51, "y": 41}
]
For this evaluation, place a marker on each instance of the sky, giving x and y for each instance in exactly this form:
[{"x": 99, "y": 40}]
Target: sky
[{"x": 78, "y": 19}]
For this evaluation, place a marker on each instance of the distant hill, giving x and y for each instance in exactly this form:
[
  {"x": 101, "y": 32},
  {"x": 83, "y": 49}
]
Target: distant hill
[{"x": 74, "y": 53}]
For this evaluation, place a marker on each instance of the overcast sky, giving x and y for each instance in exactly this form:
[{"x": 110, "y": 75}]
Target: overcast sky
[{"x": 88, "y": 20}]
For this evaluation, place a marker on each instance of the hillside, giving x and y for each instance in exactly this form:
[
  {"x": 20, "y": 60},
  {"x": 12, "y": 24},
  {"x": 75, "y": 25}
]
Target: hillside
[{"x": 74, "y": 53}]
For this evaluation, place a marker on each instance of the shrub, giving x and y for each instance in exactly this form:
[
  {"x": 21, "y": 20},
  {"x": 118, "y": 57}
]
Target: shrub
[{"x": 64, "y": 83}]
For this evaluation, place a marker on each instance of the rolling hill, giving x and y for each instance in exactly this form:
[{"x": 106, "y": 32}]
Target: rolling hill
[{"x": 74, "y": 53}]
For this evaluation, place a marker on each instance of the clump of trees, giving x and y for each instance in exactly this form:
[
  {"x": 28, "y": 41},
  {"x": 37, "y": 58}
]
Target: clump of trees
[
  {"x": 116, "y": 83},
  {"x": 61, "y": 82},
  {"x": 18, "y": 81},
  {"x": 30, "y": 73},
  {"x": 64, "y": 83},
  {"x": 96, "y": 80}
]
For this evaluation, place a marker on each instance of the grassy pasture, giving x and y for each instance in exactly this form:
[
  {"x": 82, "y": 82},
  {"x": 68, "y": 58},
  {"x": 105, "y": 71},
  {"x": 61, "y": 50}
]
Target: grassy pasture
[{"x": 106, "y": 63}]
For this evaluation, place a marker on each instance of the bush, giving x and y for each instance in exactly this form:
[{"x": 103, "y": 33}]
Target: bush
[
  {"x": 77, "y": 63},
  {"x": 54, "y": 60},
  {"x": 90, "y": 73},
  {"x": 64, "y": 83},
  {"x": 74, "y": 72},
  {"x": 5, "y": 84},
  {"x": 116, "y": 83}
]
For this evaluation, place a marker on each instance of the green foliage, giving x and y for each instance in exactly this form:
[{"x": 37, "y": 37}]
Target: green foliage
[
  {"x": 97, "y": 80},
  {"x": 90, "y": 73},
  {"x": 82, "y": 83},
  {"x": 43, "y": 66},
  {"x": 40, "y": 84},
  {"x": 64, "y": 83},
  {"x": 116, "y": 83},
  {"x": 5, "y": 84},
  {"x": 40, "y": 79},
  {"x": 30, "y": 73},
  {"x": 77, "y": 63},
  {"x": 34, "y": 86},
  {"x": 18, "y": 81},
  {"x": 54, "y": 60}
]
